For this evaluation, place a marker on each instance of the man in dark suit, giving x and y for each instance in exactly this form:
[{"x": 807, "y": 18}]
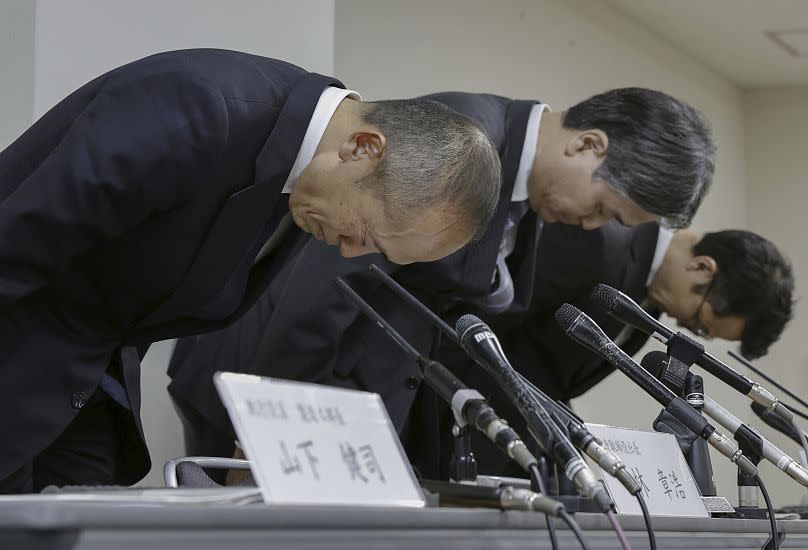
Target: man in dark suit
[
  {"x": 160, "y": 199},
  {"x": 733, "y": 285},
  {"x": 583, "y": 166}
]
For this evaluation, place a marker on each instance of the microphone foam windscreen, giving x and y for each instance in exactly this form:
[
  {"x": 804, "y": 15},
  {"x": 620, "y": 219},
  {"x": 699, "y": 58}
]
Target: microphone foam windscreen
[
  {"x": 605, "y": 296},
  {"x": 566, "y": 315},
  {"x": 465, "y": 322}
]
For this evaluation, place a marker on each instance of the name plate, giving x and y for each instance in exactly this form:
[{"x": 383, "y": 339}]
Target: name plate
[
  {"x": 657, "y": 463},
  {"x": 312, "y": 444}
]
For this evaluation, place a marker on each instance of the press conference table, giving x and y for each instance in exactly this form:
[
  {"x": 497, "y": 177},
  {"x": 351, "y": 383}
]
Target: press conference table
[{"x": 45, "y": 522}]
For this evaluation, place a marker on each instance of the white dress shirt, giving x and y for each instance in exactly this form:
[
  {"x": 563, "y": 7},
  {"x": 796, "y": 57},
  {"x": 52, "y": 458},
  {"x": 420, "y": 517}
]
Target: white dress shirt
[
  {"x": 323, "y": 111},
  {"x": 528, "y": 152},
  {"x": 326, "y": 106}
]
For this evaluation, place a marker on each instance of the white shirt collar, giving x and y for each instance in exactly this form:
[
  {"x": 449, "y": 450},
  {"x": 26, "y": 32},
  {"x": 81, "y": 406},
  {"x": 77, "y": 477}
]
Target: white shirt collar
[
  {"x": 520, "y": 192},
  {"x": 327, "y": 104},
  {"x": 663, "y": 242}
]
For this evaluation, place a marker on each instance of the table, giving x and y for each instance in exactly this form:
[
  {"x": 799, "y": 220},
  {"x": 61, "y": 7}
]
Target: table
[{"x": 35, "y": 522}]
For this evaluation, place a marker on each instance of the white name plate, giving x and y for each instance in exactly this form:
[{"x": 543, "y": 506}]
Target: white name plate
[
  {"x": 657, "y": 463},
  {"x": 312, "y": 444}
]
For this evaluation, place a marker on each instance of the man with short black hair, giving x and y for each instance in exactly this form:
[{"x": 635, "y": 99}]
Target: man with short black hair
[
  {"x": 752, "y": 284},
  {"x": 557, "y": 166},
  {"x": 733, "y": 284},
  {"x": 162, "y": 198}
]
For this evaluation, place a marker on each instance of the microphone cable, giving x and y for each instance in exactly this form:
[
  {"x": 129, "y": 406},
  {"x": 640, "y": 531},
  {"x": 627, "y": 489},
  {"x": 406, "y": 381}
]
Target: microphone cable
[
  {"x": 537, "y": 485},
  {"x": 647, "y": 516},
  {"x": 770, "y": 509},
  {"x": 801, "y": 435},
  {"x": 541, "y": 396},
  {"x": 621, "y": 536},
  {"x": 575, "y": 528},
  {"x": 536, "y": 479}
]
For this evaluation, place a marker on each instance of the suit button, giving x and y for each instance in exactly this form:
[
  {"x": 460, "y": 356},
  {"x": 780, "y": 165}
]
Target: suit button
[
  {"x": 412, "y": 382},
  {"x": 78, "y": 399}
]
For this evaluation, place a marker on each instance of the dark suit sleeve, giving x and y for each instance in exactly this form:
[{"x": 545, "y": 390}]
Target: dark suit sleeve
[
  {"x": 136, "y": 149},
  {"x": 304, "y": 337}
]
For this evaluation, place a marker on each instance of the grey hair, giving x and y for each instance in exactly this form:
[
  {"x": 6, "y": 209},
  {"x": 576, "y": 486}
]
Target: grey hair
[
  {"x": 435, "y": 158},
  {"x": 660, "y": 152}
]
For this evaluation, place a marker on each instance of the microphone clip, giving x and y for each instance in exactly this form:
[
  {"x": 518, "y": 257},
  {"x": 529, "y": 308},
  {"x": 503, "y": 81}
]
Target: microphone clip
[{"x": 684, "y": 348}]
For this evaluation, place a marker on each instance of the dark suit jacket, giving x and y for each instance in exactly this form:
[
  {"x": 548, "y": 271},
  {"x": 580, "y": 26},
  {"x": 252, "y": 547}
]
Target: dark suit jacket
[
  {"x": 123, "y": 210},
  {"x": 572, "y": 262},
  {"x": 304, "y": 329}
]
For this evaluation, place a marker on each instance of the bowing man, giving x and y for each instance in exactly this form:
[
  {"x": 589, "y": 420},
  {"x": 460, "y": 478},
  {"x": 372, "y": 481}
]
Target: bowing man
[{"x": 161, "y": 199}]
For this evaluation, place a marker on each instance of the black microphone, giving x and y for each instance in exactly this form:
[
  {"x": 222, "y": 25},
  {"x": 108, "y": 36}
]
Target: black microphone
[
  {"x": 626, "y": 310},
  {"x": 468, "y": 406},
  {"x": 586, "y": 332},
  {"x": 580, "y": 436},
  {"x": 481, "y": 344}
]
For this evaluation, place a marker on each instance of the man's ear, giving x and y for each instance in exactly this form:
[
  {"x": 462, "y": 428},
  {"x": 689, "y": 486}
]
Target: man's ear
[
  {"x": 369, "y": 144},
  {"x": 704, "y": 267},
  {"x": 595, "y": 141}
]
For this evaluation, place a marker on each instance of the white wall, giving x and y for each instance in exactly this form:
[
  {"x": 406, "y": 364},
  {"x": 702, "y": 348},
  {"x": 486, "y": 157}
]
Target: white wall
[
  {"x": 78, "y": 40},
  {"x": 777, "y": 191},
  {"x": 16, "y": 68},
  {"x": 559, "y": 52}
]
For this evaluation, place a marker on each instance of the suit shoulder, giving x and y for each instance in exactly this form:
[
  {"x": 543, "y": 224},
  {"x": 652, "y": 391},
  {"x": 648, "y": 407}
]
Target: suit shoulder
[{"x": 234, "y": 74}]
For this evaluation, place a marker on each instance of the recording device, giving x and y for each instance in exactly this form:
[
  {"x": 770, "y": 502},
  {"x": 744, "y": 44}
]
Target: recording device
[
  {"x": 468, "y": 406},
  {"x": 586, "y": 332},
  {"x": 482, "y": 345},
  {"x": 655, "y": 362},
  {"x": 626, "y": 310}
]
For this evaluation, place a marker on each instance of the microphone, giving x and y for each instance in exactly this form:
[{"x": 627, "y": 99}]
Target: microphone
[
  {"x": 655, "y": 362},
  {"x": 481, "y": 344},
  {"x": 586, "y": 332},
  {"x": 776, "y": 422},
  {"x": 626, "y": 310},
  {"x": 505, "y": 497},
  {"x": 468, "y": 406},
  {"x": 579, "y": 435}
]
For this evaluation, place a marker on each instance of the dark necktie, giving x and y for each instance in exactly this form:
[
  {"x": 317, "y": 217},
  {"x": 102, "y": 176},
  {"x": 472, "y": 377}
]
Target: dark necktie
[{"x": 502, "y": 291}]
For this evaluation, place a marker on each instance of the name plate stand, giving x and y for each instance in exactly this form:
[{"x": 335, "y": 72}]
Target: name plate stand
[
  {"x": 658, "y": 464},
  {"x": 318, "y": 445}
]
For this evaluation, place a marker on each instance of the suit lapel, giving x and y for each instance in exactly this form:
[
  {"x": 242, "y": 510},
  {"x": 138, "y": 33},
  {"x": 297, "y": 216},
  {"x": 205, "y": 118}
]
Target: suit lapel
[
  {"x": 246, "y": 213},
  {"x": 481, "y": 258}
]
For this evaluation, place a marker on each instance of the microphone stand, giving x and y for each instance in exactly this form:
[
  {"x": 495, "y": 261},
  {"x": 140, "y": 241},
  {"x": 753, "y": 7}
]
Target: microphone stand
[
  {"x": 463, "y": 464},
  {"x": 682, "y": 353},
  {"x": 748, "y": 506},
  {"x": 678, "y": 378},
  {"x": 698, "y": 456}
]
